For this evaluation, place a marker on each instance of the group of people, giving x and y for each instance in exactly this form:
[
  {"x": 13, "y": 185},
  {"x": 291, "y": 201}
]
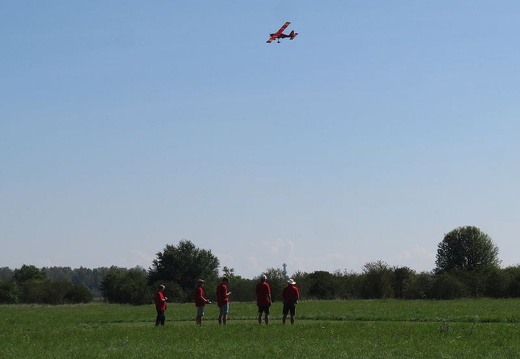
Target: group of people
[{"x": 290, "y": 296}]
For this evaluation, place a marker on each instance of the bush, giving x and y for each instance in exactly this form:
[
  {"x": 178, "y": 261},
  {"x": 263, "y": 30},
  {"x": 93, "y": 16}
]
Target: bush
[
  {"x": 78, "y": 293},
  {"x": 8, "y": 292},
  {"x": 446, "y": 286},
  {"x": 400, "y": 277},
  {"x": 418, "y": 287},
  {"x": 377, "y": 281},
  {"x": 130, "y": 286}
]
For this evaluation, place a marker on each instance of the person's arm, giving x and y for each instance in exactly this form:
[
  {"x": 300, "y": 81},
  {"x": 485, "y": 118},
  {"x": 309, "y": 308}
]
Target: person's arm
[{"x": 207, "y": 301}]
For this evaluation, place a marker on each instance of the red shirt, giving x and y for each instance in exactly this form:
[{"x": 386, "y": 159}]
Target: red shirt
[
  {"x": 160, "y": 303},
  {"x": 263, "y": 294},
  {"x": 290, "y": 293},
  {"x": 198, "y": 296},
  {"x": 222, "y": 297}
]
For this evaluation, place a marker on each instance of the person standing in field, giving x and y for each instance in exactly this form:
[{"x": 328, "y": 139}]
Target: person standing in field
[
  {"x": 223, "y": 300},
  {"x": 160, "y": 305},
  {"x": 263, "y": 299},
  {"x": 200, "y": 301},
  {"x": 290, "y": 296}
]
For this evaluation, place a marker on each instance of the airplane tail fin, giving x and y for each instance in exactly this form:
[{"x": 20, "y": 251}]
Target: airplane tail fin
[{"x": 293, "y": 35}]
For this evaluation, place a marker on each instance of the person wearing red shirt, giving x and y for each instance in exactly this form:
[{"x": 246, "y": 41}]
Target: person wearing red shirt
[
  {"x": 200, "y": 301},
  {"x": 160, "y": 306},
  {"x": 290, "y": 296},
  {"x": 223, "y": 300},
  {"x": 263, "y": 299}
]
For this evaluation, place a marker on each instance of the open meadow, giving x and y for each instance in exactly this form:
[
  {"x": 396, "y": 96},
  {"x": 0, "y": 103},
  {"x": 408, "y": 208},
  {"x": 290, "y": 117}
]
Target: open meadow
[{"x": 482, "y": 328}]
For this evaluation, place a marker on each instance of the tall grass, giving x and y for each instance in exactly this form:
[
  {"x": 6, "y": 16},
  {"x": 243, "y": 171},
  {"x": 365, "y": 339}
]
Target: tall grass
[{"x": 324, "y": 329}]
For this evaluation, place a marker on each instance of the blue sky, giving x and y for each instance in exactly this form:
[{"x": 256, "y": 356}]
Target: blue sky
[{"x": 126, "y": 126}]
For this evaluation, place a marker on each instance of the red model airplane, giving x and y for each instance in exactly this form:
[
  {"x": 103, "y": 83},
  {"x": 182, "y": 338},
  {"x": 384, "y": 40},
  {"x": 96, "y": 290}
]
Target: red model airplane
[{"x": 280, "y": 35}]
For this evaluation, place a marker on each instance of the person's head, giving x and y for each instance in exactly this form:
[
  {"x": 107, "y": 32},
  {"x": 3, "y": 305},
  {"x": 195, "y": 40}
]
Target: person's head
[
  {"x": 291, "y": 282},
  {"x": 201, "y": 282},
  {"x": 225, "y": 280},
  {"x": 161, "y": 287},
  {"x": 263, "y": 278}
]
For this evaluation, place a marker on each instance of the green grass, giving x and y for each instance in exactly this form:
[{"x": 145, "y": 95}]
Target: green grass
[{"x": 324, "y": 329}]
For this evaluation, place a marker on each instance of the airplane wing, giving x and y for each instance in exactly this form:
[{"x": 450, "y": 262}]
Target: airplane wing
[
  {"x": 283, "y": 28},
  {"x": 276, "y": 34}
]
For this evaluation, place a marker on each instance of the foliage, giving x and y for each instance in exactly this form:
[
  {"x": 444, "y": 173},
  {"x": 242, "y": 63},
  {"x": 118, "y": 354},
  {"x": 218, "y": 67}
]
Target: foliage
[
  {"x": 418, "y": 286},
  {"x": 6, "y": 273},
  {"x": 8, "y": 292},
  {"x": 184, "y": 264},
  {"x": 512, "y": 275},
  {"x": 178, "y": 267},
  {"x": 446, "y": 286},
  {"x": 28, "y": 273},
  {"x": 495, "y": 283},
  {"x": 466, "y": 248},
  {"x": 322, "y": 285},
  {"x": 401, "y": 276},
  {"x": 91, "y": 278},
  {"x": 45, "y": 291},
  {"x": 242, "y": 290},
  {"x": 377, "y": 281},
  {"x": 31, "y": 285},
  {"x": 77, "y": 293},
  {"x": 121, "y": 285}
]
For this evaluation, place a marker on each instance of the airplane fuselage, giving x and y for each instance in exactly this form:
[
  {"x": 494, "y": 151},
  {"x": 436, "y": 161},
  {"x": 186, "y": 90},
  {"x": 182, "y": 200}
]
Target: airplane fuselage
[{"x": 281, "y": 36}]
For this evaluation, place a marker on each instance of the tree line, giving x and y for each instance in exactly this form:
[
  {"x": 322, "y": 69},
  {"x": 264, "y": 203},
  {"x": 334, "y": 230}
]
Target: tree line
[
  {"x": 467, "y": 265},
  {"x": 29, "y": 284}
]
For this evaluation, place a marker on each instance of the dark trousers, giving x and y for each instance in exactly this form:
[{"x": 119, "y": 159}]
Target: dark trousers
[{"x": 160, "y": 318}]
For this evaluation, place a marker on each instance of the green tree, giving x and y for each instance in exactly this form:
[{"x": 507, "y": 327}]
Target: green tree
[
  {"x": 121, "y": 285},
  {"x": 8, "y": 292},
  {"x": 496, "y": 283},
  {"x": 513, "y": 281},
  {"x": 351, "y": 284},
  {"x": 322, "y": 285},
  {"x": 58, "y": 273},
  {"x": 27, "y": 273},
  {"x": 77, "y": 293},
  {"x": 466, "y": 248},
  {"x": 419, "y": 286},
  {"x": 401, "y": 276},
  {"x": 6, "y": 273},
  {"x": 377, "y": 281},
  {"x": 184, "y": 264},
  {"x": 243, "y": 289},
  {"x": 448, "y": 286},
  {"x": 229, "y": 273}
]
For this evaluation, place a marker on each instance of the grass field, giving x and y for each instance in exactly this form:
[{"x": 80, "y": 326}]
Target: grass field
[{"x": 324, "y": 329}]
